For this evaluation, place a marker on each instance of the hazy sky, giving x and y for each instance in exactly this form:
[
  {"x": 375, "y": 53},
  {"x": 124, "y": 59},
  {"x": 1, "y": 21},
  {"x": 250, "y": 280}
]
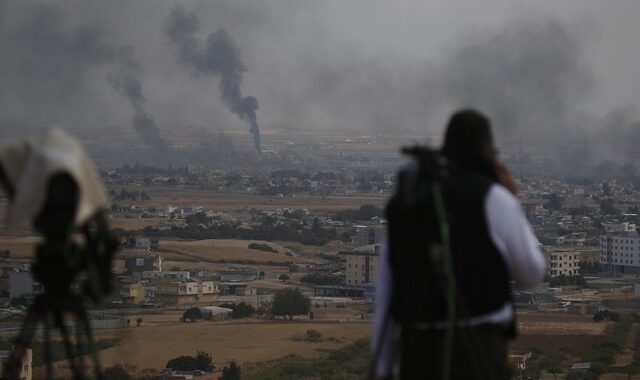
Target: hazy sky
[{"x": 367, "y": 64}]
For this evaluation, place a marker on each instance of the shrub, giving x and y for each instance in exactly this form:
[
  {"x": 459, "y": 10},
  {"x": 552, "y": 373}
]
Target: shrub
[{"x": 262, "y": 247}]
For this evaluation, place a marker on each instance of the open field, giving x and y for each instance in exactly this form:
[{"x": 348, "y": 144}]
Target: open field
[
  {"x": 152, "y": 345},
  {"x": 221, "y": 249},
  {"x": 20, "y": 247},
  {"x": 229, "y": 201}
]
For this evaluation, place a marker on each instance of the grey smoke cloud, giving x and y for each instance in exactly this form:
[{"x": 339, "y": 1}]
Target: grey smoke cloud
[
  {"x": 219, "y": 55},
  {"x": 529, "y": 76},
  {"x": 47, "y": 62}
]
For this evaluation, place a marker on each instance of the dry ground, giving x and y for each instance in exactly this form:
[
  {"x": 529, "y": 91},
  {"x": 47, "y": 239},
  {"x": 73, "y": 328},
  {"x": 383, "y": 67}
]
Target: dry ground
[
  {"x": 152, "y": 345},
  {"x": 230, "y": 201},
  {"x": 222, "y": 249}
]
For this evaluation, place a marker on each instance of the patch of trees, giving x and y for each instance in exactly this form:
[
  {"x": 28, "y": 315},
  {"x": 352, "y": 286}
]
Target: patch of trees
[
  {"x": 192, "y": 315},
  {"x": 348, "y": 362},
  {"x": 606, "y": 315},
  {"x": 197, "y": 219},
  {"x": 262, "y": 247},
  {"x": 231, "y": 372},
  {"x": 310, "y": 335},
  {"x": 365, "y": 212},
  {"x": 290, "y": 302},
  {"x": 319, "y": 236},
  {"x": 125, "y": 194},
  {"x": 240, "y": 310},
  {"x": 321, "y": 279},
  {"x": 577, "y": 280},
  {"x": 202, "y": 361},
  {"x": 283, "y": 277}
]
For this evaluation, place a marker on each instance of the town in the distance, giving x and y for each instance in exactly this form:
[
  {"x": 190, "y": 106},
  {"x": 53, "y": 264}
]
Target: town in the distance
[{"x": 268, "y": 267}]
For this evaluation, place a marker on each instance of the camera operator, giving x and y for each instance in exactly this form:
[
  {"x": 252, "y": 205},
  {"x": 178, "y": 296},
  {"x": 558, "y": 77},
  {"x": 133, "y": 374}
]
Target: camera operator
[{"x": 455, "y": 322}]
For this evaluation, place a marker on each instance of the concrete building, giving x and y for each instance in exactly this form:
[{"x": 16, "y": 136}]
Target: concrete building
[
  {"x": 621, "y": 252},
  {"x": 216, "y": 313},
  {"x": 359, "y": 267},
  {"x": 26, "y": 364},
  {"x": 133, "y": 292},
  {"x": 21, "y": 283},
  {"x": 239, "y": 275},
  {"x": 166, "y": 275},
  {"x": 563, "y": 262},
  {"x": 367, "y": 235},
  {"x": 183, "y": 292},
  {"x": 137, "y": 265}
]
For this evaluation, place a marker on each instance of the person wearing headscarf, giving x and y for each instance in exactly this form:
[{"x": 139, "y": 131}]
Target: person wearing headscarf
[{"x": 491, "y": 245}]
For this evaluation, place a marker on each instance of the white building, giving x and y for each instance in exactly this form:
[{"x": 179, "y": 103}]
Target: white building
[
  {"x": 621, "y": 252},
  {"x": 563, "y": 262}
]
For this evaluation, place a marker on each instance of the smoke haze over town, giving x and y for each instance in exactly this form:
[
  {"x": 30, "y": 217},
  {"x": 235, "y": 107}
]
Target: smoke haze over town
[{"x": 544, "y": 73}]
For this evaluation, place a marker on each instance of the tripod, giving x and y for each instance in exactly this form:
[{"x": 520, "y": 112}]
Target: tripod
[{"x": 59, "y": 263}]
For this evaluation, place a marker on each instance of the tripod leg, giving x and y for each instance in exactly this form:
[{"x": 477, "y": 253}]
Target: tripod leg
[
  {"x": 23, "y": 340},
  {"x": 81, "y": 315},
  {"x": 79, "y": 344},
  {"x": 68, "y": 346},
  {"x": 47, "y": 349}
]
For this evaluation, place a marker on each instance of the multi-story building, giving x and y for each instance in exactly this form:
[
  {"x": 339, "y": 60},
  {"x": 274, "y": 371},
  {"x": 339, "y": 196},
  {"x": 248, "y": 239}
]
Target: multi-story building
[
  {"x": 133, "y": 292},
  {"x": 367, "y": 235},
  {"x": 621, "y": 252},
  {"x": 187, "y": 291},
  {"x": 563, "y": 262},
  {"x": 26, "y": 364},
  {"x": 359, "y": 267},
  {"x": 137, "y": 265}
]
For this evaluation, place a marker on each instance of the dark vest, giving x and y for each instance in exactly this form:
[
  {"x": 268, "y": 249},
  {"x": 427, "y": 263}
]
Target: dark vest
[{"x": 419, "y": 285}]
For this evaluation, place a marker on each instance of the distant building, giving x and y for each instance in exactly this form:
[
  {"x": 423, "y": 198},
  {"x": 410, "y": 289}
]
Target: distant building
[
  {"x": 359, "y": 267},
  {"x": 137, "y": 265},
  {"x": 170, "y": 374},
  {"x": 563, "y": 262},
  {"x": 133, "y": 292},
  {"x": 138, "y": 243},
  {"x": 26, "y": 364},
  {"x": 215, "y": 313},
  {"x": 21, "y": 283},
  {"x": 237, "y": 289},
  {"x": 187, "y": 291},
  {"x": 621, "y": 252},
  {"x": 239, "y": 275},
  {"x": 166, "y": 275},
  {"x": 367, "y": 235}
]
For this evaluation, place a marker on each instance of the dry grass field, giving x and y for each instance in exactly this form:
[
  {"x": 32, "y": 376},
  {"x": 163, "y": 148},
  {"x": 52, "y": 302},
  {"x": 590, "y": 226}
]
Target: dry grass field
[
  {"x": 230, "y": 201},
  {"x": 20, "y": 247},
  {"x": 156, "y": 342},
  {"x": 221, "y": 249}
]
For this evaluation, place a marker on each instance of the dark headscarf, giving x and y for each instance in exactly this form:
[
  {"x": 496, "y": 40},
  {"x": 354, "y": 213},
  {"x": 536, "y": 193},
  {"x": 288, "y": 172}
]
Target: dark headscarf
[{"x": 468, "y": 142}]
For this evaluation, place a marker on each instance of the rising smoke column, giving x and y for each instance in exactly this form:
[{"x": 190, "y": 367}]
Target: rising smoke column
[
  {"x": 45, "y": 60},
  {"x": 220, "y": 56},
  {"x": 125, "y": 80}
]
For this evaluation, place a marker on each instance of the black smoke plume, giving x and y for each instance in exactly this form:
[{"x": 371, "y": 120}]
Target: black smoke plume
[{"x": 218, "y": 55}]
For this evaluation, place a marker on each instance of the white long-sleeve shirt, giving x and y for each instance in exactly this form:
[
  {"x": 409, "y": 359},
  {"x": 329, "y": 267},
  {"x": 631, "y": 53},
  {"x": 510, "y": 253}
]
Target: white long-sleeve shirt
[{"x": 512, "y": 235}]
